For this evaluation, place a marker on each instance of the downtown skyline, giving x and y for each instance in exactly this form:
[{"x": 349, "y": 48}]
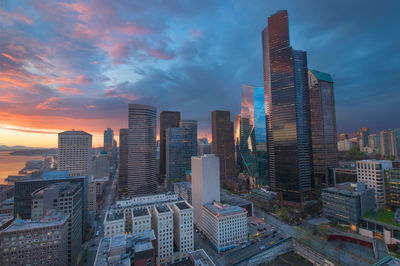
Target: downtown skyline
[{"x": 77, "y": 65}]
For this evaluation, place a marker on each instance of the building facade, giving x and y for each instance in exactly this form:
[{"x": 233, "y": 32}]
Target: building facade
[
  {"x": 224, "y": 225},
  {"x": 108, "y": 139},
  {"x": 323, "y": 125},
  {"x": 114, "y": 223},
  {"x": 287, "y": 113},
  {"x": 168, "y": 119},
  {"x": 163, "y": 229},
  {"x": 388, "y": 143},
  {"x": 74, "y": 152},
  {"x": 392, "y": 188},
  {"x": 142, "y": 176},
  {"x": 183, "y": 229},
  {"x": 205, "y": 183},
  {"x": 223, "y": 145},
  {"x": 123, "y": 162},
  {"x": 101, "y": 165},
  {"x": 371, "y": 172}
]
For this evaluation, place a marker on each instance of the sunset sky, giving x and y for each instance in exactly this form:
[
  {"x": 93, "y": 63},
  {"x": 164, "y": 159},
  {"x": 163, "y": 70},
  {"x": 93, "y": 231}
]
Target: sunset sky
[{"x": 77, "y": 65}]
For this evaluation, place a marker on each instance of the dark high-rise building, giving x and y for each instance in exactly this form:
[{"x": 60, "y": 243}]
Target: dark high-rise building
[
  {"x": 168, "y": 119},
  {"x": 323, "y": 125},
  {"x": 142, "y": 176},
  {"x": 363, "y": 136},
  {"x": 189, "y": 141},
  {"x": 123, "y": 162},
  {"x": 223, "y": 142},
  {"x": 287, "y": 112}
]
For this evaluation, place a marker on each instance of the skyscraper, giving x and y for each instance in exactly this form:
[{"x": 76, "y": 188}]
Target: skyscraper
[
  {"x": 142, "y": 176},
  {"x": 223, "y": 142},
  {"x": 323, "y": 125},
  {"x": 388, "y": 143},
  {"x": 168, "y": 119},
  {"x": 74, "y": 152},
  {"x": 189, "y": 141},
  {"x": 123, "y": 162},
  {"x": 287, "y": 112},
  {"x": 108, "y": 139},
  {"x": 363, "y": 136}
]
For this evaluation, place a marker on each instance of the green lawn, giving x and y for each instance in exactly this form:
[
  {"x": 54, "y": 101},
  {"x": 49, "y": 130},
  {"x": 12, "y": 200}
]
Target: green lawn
[{"x": 382, "y": 216}]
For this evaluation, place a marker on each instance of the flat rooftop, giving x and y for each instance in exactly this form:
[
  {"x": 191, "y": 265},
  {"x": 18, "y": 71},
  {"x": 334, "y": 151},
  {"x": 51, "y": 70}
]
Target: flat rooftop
[
  {"x": 117, "y": 241},
  {"x": 140, "y": 212},
  {"x": 382, "y": 216},
  {"x": 162, "y": 208},
  {"x": 112, "y": 216},
  {"x": 182, "y": 205},
  {"x": 223, "y": 209},
  {"x": 200, "y": 257}
]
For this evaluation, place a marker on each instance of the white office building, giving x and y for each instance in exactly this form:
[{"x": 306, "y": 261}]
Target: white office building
[
  {"x": 141, "y": 220},
  {"x": 114, "y": 223},
  {"x": 163, "y": 229},
  {"x": 224, "y": 225},
  {"x": 371, "y": 172},
  {"x": 74, "y": 152},
  {"x": 205, "y": 183},
  {"x": 183, "y": 229}
]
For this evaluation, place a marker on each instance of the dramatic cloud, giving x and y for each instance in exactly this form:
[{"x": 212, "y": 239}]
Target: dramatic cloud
[{"x": 77, "y": 64}]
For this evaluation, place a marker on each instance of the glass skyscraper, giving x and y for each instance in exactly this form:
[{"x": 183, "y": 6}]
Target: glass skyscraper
[
  {"x": 287, "y": 112},
  {"x": 323, "y": 125}
]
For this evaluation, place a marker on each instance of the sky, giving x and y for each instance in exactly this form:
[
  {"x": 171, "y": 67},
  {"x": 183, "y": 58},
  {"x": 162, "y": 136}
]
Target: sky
[{"x": 78, "y": 64}]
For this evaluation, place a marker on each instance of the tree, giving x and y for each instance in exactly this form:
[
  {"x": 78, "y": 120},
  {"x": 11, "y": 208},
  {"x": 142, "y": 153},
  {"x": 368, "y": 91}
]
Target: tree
[{"x": 284, "y": 214}]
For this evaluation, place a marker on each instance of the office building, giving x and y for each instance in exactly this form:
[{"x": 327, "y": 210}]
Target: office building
[
  {"x": 323, "y": 125},
  {"x": 223, "y": 145},
  {"x": 205, "y": 183},
  {"x": 92, "y": 195},
  {"x": 175, "y": 168},
  {"x": 108, "y": 139},
  {"x": 224, "y": 225},
  {"x": 363, "y": 137},
  {"x": 183, "y": 229},
  {"x": 371, "y": 172},
  {"x": 74, "y": 152},
  {"x": 142, "y": 176},
  {"x": 348, "y": 202},
  {"x": 392, "y": 188},
  {"x": 184, "y": 190},
  {"x": 344, "y": 145},
  {"x": 27, "y": 242},
  {"x": 287, "y": 113},
  {"x": 189, "y": 141},
  {"x": 123, "y": 162},
  {"x": 23, "y": 194},
  {"x": 163, "y": 229},
  {"x": 101, "y": 165},
  {"x": 204, "y": 147},
  {"x": 342, "y": 175},
  {"x": 388, "y": 143},
  {"x": 141, "y": 220},
  {"x": 66, "y": 198},
  {"x": 114, "y": 223},
  {"x": 343, "y": 136},
  {"x": 168, "y": 119}
]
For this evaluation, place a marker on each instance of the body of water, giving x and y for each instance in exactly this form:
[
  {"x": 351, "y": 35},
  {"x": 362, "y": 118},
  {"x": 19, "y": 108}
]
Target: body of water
[{"x": 11, "y": 164}]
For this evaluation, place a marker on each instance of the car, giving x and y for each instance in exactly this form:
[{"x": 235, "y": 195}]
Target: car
[
  {"x": 97, "y": 233},
  {"x": 272, "y": 242},
  {"x": 281, "y": 238},
  {"x": 262, "y": 247}
]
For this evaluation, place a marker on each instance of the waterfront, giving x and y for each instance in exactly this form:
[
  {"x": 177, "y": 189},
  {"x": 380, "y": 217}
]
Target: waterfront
[{"x": 11, "y": 164}]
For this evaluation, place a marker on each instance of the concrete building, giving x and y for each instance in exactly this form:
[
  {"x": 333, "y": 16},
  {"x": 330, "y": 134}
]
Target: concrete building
[
  {"x": 323, "y": 125},
  {"x": 344, "y": 145},
  {"x": 204, "y": 147},
  {"x": 163, "y": 229},
  {"x": 141, "y": 220},
  {"x": 224, "y": 225},
  {"x": 205, "y": 183},
  {"x": 168, "y": 119},
  {"x": 184, "y": 190},
  {"x": 348, "y": 202},
  {"x": 183, "y": 229},
  {"x": 371, "y": 172},
  {"x": 223, "y": 143},
  {"x": 342, "y": 175},
  {"x": 114, "y": 223},
  {"x": 43, "y": 242},
  {"x": 123, "y": 162},
  {"x": 66, "y": 198},
  {"x": 142, "y": 176},
  {"x": 101, "y": 165},
  {"x": 74, "y": 152},
  {"x": 392, "y": 188},
  {"x": 92, "y": 195},
  {"x": 388, "y": 143}
]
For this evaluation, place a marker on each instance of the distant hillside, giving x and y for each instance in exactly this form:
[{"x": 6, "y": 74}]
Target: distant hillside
[
  {"x": 34, "y": 152},
  {"x": 14, "y": 148}
]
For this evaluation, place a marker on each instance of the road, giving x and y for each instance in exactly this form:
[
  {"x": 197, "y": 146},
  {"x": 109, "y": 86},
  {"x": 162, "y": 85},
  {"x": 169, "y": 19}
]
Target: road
[{"x": 93, "y": 244}]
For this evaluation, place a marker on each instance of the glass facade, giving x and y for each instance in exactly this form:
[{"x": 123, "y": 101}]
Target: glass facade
[
  {"x": 287, "y": 112},
  {"x": 392, "y": 187},
  {"x": 259, "y": 119},
  {"x": 323, "y": 125},
  {"x": 168, "y": 119},
  {"x": 174, "y": 153}
]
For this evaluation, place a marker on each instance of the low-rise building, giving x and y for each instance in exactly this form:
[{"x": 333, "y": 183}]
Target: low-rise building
[
  {"x": 114, "y": 223},
  {"x": 348, "y": 202},
  {"x": 381, "y": 224},
  {"x": 7, "y": 207},
  {"x": 184, "y": 190},
  {"x": 224, "y": 225},
  {"x": 27, "y": 242}
]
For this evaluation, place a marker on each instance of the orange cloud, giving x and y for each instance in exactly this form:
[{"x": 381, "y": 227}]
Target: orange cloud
[
  {"x": 52, "y": 103},
  {"x": 8, "y": 56},
  {"x": 70, "y": 91},
  {"x": 16, "y": 16},
  {"x": 82, "y": 79}
]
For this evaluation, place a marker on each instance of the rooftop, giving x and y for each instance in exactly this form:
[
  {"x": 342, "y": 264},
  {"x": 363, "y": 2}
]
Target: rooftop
[
  {"x": 140, "y": 212},
  {"x": 74, "y": 132},
  {"x": 162, "y": 208},
  {"x": 182, "y": 205},
  {"x": 322, "y": 76},
  {"x": 200, "y": 257},
  {"x": 382, "y": 216},
  {"x": 117, "y": 241},
  {"x": 53, "y": 219},
  {"x": 113, "y": 216},
  {"x": 223, "y": 209}
]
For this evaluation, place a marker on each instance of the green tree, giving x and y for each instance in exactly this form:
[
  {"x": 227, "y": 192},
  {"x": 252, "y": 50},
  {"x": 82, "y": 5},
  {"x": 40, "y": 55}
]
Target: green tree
[{"x": 284, "y": 214}]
